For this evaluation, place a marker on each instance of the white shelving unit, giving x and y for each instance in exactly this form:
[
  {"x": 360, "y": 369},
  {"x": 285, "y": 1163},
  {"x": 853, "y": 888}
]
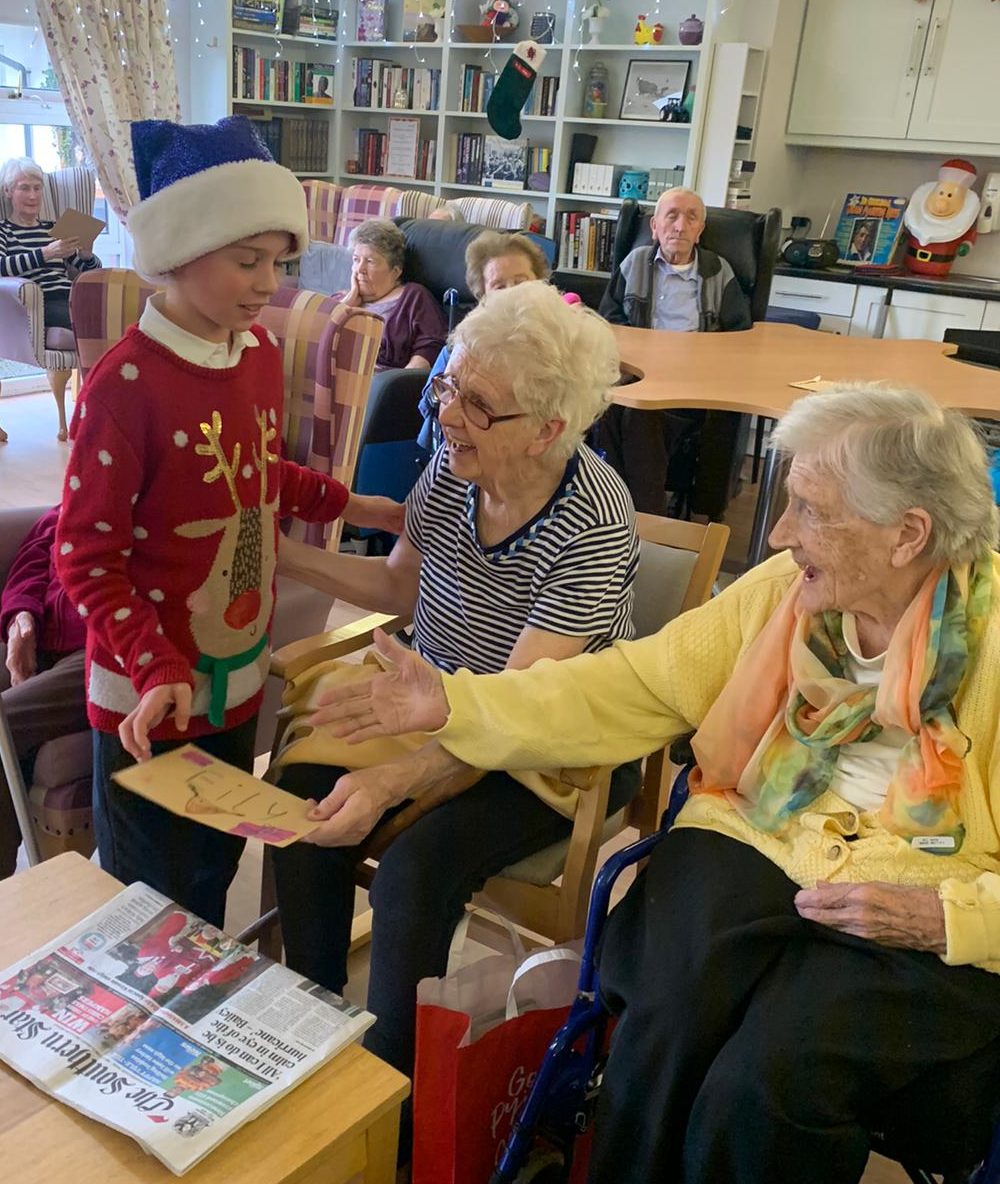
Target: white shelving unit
[{"x": 720, "y": 101}]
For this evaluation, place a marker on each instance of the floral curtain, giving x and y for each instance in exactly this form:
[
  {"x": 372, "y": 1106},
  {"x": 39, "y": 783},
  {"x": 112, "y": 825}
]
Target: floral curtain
[{"x": 114, "y": 63}]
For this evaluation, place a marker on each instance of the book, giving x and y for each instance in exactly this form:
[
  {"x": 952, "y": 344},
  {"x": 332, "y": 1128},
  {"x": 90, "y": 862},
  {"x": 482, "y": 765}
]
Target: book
[
  {"x": 319, "y": 84},
  {"x": 371, "y": 20},
  {"x": 869, "y": 228},
  {"x": 504, "y": 163}
]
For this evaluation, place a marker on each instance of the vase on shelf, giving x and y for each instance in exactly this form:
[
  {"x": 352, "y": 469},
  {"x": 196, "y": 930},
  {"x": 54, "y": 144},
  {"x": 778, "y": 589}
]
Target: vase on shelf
[
  {"x": 595, "y": 93},
  {"x": 595, "y": 25},
  {"x": 690, "y": 32}
]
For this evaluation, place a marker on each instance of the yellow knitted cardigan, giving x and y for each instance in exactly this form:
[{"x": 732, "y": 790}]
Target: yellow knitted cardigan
[{"x": 628, "y": 700}]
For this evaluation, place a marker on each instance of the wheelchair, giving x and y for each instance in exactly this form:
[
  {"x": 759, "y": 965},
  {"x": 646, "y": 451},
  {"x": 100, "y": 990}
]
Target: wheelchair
[{"x": 560, "y": 1106}]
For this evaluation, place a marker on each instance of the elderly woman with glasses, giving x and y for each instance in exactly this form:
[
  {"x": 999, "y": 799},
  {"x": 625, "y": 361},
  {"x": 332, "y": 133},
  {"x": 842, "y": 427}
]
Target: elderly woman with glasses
[
  {"x": 415, "y": 326},
  {"x": 519, "y": 545},
  {"x": 29, "y": 252}
]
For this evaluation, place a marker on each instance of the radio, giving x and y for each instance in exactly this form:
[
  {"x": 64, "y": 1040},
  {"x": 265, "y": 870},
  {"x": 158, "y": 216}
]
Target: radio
[{"x": 810, "y": 252}]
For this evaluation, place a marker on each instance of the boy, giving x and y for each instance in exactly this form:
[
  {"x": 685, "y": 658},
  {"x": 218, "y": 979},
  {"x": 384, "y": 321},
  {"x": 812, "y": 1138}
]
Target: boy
[{"x": 169, "y": 526}]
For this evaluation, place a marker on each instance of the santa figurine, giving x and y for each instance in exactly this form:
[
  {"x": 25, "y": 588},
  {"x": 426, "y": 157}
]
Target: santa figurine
[{"x": 941, "y": 219}]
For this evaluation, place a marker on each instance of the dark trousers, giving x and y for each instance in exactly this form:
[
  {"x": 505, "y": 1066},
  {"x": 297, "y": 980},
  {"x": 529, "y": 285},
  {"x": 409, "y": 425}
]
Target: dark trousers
[
  {"x": 423, "y": 883},
  {"x": 640, "y": 446},
  {"x": 50, "y": 704},
  {"x": 55, "y": 307},
  {"x": 139, "y": 840},
  {"x": 758, "y": 1048}
]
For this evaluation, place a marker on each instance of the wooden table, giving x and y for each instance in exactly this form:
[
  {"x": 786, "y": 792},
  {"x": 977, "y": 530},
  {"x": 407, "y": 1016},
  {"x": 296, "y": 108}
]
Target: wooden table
[
  {"x": 751, "y": 372},
  {"x": 340, "y": 1126}
]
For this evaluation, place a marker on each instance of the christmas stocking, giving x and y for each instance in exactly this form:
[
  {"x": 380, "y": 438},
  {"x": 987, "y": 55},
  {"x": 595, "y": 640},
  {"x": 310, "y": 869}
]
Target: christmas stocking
[{"x": 512, "y": 89}]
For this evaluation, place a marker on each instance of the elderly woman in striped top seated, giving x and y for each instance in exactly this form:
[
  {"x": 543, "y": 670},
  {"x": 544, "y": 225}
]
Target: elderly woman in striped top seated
[
  {"x": 520, "y": 544},
  {"x": 29, "y": 252}
]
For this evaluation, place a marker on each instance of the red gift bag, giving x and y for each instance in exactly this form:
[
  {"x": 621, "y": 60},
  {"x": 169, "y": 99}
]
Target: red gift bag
[{"x": 482, "y": 1031}]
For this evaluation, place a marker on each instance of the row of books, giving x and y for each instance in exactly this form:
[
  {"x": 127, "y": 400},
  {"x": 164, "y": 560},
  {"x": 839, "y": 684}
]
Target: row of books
[
  {"x": 477, "y": 86},
  {"x": 371, "y": 151},
  {"x": 281, "y": 80},
  {"x": 305, "y": 18},
  {"x": 381, "y": 83},
  {"x": 299, "y": 143},
  {"x": 262, "y": 16},
  {"x": 467, "y": 153},
  {"x": 494, "y": 162},
  {"x": 586, "y": 239}
]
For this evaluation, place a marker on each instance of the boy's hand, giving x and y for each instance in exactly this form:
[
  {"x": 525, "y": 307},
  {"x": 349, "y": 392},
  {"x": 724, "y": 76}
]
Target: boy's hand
[
  {"x": 153, "y": 708},
  {"x": 377, "y": 513},
  {"x": 22, "y": 648}
]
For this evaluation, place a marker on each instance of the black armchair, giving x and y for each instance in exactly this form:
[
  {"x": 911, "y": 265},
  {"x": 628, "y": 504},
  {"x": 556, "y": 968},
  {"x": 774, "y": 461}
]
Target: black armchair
[{"x": 749, "y": 243}]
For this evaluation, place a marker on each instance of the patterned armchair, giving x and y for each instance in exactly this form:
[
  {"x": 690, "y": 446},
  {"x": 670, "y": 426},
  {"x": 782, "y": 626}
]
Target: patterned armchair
[{"x": 23, "y": 337}]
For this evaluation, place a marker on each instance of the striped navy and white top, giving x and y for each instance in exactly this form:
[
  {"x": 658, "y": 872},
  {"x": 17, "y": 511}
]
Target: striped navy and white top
[
  {"x": 570, "y": 570},
  {"x": 21, "y": 257}
]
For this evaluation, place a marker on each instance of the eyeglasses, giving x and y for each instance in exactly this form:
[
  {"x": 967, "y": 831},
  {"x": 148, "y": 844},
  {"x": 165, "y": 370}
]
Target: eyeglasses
[{"x": 444, "y": 389}]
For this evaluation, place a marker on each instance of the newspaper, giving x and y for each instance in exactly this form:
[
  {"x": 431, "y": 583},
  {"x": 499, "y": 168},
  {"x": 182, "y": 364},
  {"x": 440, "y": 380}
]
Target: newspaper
[{"x": 150, "y": 1020}]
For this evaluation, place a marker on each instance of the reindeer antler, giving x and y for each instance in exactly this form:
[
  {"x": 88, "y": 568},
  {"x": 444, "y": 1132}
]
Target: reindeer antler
[
  {"x": 265, "y": 457},
  {"x": 223, "y": 468}
]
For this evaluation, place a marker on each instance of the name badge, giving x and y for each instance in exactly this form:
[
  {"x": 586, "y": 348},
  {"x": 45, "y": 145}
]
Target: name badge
[{"x": 933, "y": 842}]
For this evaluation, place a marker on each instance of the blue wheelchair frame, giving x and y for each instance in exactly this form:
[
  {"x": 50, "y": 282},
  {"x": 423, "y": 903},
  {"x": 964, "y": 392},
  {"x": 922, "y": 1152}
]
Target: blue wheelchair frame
[{"x": 561, "y": 1102}]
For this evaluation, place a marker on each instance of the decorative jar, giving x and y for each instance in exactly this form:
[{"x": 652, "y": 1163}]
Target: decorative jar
[{"x": 595, "y": 94}]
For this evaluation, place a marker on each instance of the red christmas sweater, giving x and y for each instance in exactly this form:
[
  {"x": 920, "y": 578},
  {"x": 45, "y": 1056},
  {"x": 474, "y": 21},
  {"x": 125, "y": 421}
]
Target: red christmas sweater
[{"x": 168, "y": 533}]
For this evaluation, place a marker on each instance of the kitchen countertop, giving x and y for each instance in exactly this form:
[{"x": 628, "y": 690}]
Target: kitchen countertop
[{"x": 974, "y": 287}]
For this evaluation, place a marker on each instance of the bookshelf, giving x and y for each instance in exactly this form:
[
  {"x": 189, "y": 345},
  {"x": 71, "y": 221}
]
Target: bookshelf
[{"x": 721, "y": 102}]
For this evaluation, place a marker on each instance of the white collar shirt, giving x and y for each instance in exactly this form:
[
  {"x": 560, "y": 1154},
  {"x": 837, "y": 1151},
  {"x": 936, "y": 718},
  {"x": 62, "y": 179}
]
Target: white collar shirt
[{"x": 214, "y": 355}]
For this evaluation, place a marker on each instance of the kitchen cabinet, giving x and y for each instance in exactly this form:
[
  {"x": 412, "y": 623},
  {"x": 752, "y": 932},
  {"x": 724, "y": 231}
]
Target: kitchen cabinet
[
  {"x": 900, "y": 70},
  {"x": 927, "y": 315},
  {"x": 834, "y": 302}
]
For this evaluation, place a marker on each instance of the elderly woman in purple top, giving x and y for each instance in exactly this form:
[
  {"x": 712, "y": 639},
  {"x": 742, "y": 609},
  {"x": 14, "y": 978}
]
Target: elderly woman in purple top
[{"x": 415, "y": 326}]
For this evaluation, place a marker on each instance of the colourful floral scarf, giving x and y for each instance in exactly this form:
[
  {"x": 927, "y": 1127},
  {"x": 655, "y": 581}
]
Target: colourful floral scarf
[{"x": 770, "y": 741}]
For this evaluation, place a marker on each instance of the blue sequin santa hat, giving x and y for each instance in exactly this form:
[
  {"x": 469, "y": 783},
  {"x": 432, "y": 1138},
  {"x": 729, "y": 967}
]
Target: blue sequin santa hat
[{"x": 204, "y": 186}]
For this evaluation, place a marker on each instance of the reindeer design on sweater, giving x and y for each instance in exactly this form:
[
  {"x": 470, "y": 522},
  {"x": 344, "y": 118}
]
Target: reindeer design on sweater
[{"x": 232, "y": 606}]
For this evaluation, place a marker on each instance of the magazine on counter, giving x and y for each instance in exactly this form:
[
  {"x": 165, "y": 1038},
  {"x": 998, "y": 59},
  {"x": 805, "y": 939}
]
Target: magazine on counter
[
  {"x": 153, "y": 1022},
  {"x": 869, "y": 229}
]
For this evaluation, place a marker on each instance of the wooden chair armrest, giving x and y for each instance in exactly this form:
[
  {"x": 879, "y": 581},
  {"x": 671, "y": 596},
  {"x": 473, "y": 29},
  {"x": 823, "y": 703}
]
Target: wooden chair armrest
[{"x": 292, "y": 659}]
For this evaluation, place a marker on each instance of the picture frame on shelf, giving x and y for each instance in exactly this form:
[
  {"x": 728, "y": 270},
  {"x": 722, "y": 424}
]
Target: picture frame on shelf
[
  {"x": 403, "y": 146},
  {"x": 650, "y": 84}
]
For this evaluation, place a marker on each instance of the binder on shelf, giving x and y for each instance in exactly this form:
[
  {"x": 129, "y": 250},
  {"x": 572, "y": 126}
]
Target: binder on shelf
[{"x": 581, "y": 150}]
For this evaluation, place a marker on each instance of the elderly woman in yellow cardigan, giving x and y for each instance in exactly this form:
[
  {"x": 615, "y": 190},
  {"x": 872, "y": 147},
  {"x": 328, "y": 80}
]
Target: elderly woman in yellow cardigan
[{"x": 813, "y": 952}]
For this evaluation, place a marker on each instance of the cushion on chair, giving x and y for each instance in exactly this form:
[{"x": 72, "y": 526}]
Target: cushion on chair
[
  {"x": 326, "y": 268},
  {"x": 61, "y": 761},
  {"x": 495, "y": 213},
  {"x": 323, "y": 208},
  {"x": 60, "y": 339},
  {"x": 65, "y": 810},
  {"x": 414, "y": 204},
  {"x": 660, "y": 584},
  {"x": 358, "y": 203},
  {"x": 545, "y": 866}
]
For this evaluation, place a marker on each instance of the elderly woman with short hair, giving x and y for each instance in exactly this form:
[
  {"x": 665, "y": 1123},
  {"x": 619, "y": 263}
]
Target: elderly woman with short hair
[
  {"x": 415, "y": 325},
  {"x": 520, "y": 545},
  {"x": 29, "y": 252},
  {"x": 813, "y": 952}
]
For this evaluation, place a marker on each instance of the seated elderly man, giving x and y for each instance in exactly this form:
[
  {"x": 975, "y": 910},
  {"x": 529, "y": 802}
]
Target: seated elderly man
[
  {"x": 674, "y": 284},
  {"x": 813, "y": 952}
]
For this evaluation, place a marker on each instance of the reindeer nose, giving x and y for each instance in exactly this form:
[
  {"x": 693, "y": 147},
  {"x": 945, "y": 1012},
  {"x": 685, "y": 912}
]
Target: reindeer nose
[{"x": 243, "y": 609}]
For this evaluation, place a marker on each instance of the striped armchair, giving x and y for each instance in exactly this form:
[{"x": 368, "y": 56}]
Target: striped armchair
[
  {"x": 329, "y": 355},
  {"x": 334, "y": 211},
  {"x": 23, "y": 337}
]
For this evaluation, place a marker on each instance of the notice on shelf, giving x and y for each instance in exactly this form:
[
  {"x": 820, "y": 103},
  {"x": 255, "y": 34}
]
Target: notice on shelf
[{"x": 401, "y": 155}]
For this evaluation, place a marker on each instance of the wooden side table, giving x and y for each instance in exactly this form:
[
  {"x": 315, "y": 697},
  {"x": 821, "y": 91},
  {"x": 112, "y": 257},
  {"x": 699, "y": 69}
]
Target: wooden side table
[{"x": 340, "y": 1126}]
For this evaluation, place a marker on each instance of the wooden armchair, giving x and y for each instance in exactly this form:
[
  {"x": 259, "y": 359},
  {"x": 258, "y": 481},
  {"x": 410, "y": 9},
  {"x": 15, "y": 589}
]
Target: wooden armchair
[
  {"x": 23, "y": 336},
  {"x": 549, "y": 892}
]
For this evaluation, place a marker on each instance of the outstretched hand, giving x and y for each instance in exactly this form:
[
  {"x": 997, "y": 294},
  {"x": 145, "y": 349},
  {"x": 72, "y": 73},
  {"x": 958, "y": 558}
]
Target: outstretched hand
[{"x": 409, "y": 697}]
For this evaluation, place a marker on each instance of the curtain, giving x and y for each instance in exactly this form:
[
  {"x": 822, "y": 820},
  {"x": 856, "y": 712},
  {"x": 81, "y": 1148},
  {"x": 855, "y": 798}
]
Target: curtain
[{"x": 114, "y": 64}]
